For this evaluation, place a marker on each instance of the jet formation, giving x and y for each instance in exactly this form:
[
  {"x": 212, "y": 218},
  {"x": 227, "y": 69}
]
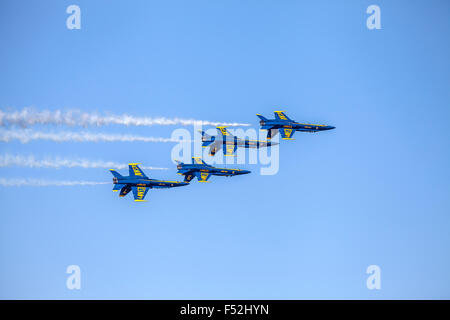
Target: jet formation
[{"x": 139, "y": 183}]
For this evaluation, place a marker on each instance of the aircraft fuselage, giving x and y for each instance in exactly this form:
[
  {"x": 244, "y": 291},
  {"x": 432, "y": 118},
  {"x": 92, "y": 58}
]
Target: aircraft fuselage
[
  {"x": 149, "y": 183},
  {"x": 192, "y": 168},
  {"x": 305, "y": 127}
]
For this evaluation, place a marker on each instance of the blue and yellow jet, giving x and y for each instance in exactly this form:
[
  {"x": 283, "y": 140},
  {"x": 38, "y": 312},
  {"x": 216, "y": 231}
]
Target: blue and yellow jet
[
  {"x": 139, "y": 183},
  {"x": 230, "y": 143},
  {"x": 203, "y": 171},
  {"x": 287, "y": 126}
]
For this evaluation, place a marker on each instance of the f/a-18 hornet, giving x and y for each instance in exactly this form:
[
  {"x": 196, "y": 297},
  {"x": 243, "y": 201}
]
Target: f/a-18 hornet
[
  {"x": 230, "y": 143},
  {"x": 203, "y": 171},
  {"x": 287, "y": 126},
  {"x": 139, "y": 183}
]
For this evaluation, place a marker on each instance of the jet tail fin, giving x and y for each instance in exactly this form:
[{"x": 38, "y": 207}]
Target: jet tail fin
[
  {"x": 261, "y": 117},
  {"x": 115, "y": 173},
  {"x": 206, "y": 139},
  {"x": 118, "y": 186}
]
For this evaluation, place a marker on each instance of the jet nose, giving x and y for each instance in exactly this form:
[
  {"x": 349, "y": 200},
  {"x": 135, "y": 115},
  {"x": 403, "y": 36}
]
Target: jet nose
[
  {"x": 331, "y": 128},
  {"x": 244, "y": 171}
]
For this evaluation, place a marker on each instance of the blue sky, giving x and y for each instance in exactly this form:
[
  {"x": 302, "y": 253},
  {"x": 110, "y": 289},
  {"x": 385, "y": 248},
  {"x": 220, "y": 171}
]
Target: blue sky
[{"x": 373, "y": 191}]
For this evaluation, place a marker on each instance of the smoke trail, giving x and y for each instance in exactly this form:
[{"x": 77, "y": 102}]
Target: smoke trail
[
  {"x": 26, "y": 135},
  {"x": 8, "y": 160},
  {"x": 45, "y": 183},
  {"x": 28, "y": 117}
]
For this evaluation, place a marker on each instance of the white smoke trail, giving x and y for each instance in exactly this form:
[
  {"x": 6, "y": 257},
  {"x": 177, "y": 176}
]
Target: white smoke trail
[
  {"x": 29, "y": 116},
  {"x": 7, "y": 160},
  {"x": 27, "y": 135},
  {"x": 45, "y": 183}
]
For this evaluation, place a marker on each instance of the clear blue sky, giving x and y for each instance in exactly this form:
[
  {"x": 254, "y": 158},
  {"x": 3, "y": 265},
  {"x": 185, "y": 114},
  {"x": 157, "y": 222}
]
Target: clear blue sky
[{"x": 373, "y": 191}]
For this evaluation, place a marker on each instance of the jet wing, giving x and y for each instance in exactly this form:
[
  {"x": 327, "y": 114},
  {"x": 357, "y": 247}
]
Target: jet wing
[
  {"x": 202, "y": 176},
  {"x": 280, "y": 115},
  {"x": 135, "y": 171},
  {"x": 139, "y": 193},
  {"x": 287, "y": 134},
  {"x": 224, "y": 132},
  {"x": 230, "y": 149}
]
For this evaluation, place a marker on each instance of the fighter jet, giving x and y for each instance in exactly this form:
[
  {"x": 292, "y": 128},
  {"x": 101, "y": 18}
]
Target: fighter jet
[
  {"x": 287, "y": 126},
  {"x": 230, "y": 142},
  {"x": 139, "y": 183},
  {"x": 203, "y": 171}
]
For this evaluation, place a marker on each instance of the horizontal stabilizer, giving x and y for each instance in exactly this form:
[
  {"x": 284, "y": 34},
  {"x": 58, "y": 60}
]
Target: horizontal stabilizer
[
  {"x": 118, "y": 186},
  {"x": 125, "y": 190},
  {"x": 188, "y": 177}
]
